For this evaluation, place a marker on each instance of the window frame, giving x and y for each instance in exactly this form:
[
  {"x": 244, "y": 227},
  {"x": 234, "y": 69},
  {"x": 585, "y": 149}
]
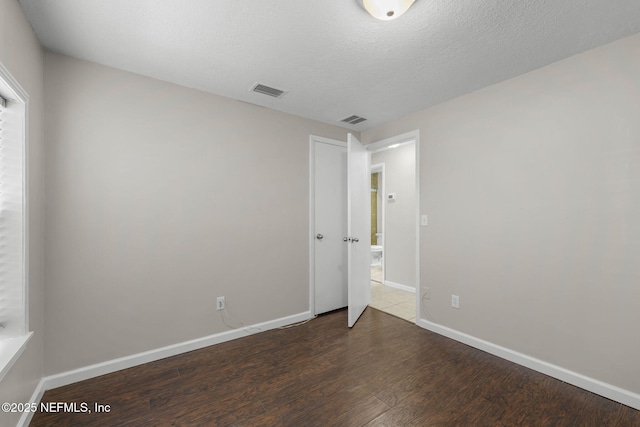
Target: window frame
[{"x": 12, "y": 347}]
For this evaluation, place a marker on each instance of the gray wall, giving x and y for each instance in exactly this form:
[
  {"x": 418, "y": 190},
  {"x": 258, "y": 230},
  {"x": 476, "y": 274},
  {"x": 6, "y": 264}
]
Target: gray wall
[
  {"x": 159, "y": 199},
  {"x": 532, "y": 192},
  {"x": 21, "y": 54},
  {"x": 400, "y": 216}
]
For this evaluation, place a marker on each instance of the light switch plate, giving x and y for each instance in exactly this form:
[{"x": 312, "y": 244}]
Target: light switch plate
[{"x": 455, "y": 301}]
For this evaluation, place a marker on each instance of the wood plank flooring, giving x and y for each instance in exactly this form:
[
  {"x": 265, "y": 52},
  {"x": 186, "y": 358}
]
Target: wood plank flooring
[{"x": 383, "y": 372}]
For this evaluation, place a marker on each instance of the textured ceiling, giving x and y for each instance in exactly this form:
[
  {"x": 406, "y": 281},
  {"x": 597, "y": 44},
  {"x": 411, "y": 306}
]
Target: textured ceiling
[{"x": 332, "y": 57}]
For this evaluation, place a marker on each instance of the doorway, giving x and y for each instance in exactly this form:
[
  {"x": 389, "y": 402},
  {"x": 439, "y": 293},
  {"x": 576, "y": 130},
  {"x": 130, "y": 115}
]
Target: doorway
[
  {"x": 394, "y": 226},
  {"x": 377, "y": 223}
]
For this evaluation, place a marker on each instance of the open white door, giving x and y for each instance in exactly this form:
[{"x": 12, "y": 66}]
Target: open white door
[{"x": 359, "y": 228}]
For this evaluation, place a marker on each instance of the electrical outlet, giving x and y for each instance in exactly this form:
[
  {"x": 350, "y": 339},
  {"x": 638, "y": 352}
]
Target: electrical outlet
[
  {"x": 427, "y": 293},
  {"x": 220, "y": 303},
  {"x": 455, "y": 301}
]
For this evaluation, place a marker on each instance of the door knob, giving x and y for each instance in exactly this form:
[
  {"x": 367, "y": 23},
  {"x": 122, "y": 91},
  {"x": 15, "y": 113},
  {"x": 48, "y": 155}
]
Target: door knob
[
  {"x": 355, "y": 240},
  {"x": 346, "y": 239},
  {"x": 319, "y": 236}
]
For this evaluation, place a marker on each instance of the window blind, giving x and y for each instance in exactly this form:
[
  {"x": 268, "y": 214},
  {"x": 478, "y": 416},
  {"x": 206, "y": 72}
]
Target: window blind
[{"x": 12, "y": 298}]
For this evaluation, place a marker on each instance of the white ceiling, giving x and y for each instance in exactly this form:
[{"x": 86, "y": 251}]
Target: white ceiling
[{"x": 331, "y": 56}]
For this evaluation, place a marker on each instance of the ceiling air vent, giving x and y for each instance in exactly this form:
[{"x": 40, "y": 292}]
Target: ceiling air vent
[
  {"x": 266, "y": 90},
  {"x": 353, "y": 120}
]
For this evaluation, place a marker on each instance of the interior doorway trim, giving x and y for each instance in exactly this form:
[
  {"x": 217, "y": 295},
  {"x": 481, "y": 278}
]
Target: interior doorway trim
[{"x": 406, "y": 138}]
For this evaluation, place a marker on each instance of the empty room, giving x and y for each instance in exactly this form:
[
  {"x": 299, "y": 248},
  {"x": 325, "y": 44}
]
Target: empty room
[{"x": 346, "y": 212}]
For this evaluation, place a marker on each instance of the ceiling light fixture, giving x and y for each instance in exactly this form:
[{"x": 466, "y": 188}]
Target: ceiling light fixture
[{"x": 386, "y": 10}]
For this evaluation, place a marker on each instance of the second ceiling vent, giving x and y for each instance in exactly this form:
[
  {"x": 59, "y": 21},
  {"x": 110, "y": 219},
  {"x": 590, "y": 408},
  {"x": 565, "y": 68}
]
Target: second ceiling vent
[
  {"x": 353, "y": 120},
  {"x": 268, "y": 90}
]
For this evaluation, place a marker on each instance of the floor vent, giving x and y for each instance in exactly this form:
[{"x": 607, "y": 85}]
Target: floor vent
[
  {"x": 353, "y": 120},
  {"x": 267, "y": 90}
]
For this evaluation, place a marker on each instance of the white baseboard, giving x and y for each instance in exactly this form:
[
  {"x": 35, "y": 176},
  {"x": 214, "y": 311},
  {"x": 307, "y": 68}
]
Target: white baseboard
[
  {"x": 92, "y": 371},
  {"x": 399, "y": 286},
  {"x": 26, "y": 417},
  {"x": 609, "y": 391}
]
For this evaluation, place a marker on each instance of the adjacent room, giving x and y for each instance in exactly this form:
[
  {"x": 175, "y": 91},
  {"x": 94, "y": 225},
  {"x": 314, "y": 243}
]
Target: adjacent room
[{"x": 162, "y": 224}]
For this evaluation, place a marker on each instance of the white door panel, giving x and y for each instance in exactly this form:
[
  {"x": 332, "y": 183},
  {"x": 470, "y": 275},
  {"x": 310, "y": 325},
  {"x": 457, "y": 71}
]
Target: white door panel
[{"x": 359, "y": 228}]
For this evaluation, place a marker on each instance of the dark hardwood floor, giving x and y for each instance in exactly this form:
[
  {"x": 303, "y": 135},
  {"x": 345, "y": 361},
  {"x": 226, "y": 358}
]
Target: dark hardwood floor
[{"x": 383, "y": 372}]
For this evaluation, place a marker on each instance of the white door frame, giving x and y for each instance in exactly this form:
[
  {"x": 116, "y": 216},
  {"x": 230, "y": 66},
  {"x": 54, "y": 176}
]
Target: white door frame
[
  {"x": 313, "y": 139},
  {"x": 413, "y": 136}
]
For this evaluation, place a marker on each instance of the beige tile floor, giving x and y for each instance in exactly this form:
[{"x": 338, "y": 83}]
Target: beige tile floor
[{"x": 390, "y": 300}]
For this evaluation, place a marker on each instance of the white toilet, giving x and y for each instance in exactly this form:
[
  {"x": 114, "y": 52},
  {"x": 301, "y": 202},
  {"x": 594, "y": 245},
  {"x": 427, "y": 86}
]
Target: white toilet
[
  {"x": 376, "y": 251},
  {"x": 376, "y": 255}
]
